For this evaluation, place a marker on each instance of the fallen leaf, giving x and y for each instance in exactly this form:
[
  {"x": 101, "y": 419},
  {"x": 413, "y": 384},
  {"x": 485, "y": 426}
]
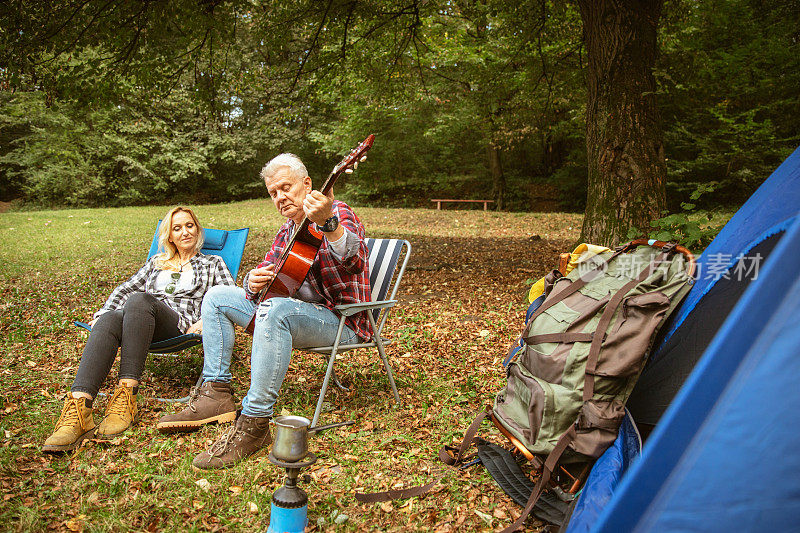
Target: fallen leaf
[
  {"x": 235, "y": 490},
  {"x": 484, "y": 516},
  {"x": 252, "y": 507},
  {"x": 203, "y": 484},
  {"x": 75, "y": 524},
  {"x": 387, "y": 507}
]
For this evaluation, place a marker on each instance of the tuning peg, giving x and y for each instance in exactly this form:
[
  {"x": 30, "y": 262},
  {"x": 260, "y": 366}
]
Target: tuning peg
[
  {"x": 363, "y": 158},
  {"x": 348, "y": 171},
  {"x": 355, "y": 165}
]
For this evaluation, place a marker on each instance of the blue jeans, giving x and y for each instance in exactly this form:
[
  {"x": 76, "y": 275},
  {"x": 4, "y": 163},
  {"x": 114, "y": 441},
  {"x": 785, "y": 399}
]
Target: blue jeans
[{"x": 281, "y": 324}]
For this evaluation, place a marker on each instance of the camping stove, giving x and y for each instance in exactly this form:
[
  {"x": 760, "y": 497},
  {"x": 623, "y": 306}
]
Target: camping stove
[{"x": 289, "y": 513}]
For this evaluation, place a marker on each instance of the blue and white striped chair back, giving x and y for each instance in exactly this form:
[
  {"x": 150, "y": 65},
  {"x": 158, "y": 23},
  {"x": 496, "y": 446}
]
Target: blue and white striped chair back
[{"x": 383, "y": 255}]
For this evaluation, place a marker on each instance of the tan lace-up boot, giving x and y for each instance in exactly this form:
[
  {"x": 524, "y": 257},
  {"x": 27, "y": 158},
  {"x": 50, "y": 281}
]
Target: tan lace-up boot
[
  {"x": 121, "y": 413},
  {"x": 75, "y": 424}
]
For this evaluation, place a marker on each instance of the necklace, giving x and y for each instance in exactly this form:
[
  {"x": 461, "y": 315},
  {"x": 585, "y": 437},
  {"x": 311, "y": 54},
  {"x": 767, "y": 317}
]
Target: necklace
[
  {"x": 175, "y": 276},
  {"x": 181, "y": 265}
]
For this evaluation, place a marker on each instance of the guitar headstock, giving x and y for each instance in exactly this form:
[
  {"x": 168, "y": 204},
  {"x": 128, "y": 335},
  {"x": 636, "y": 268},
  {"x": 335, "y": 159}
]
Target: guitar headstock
[{"x": 356, "y": 155}]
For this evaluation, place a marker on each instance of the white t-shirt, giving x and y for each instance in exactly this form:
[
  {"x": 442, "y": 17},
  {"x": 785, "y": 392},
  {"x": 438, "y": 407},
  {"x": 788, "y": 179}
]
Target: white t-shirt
[{"x": 165, "y": 278}]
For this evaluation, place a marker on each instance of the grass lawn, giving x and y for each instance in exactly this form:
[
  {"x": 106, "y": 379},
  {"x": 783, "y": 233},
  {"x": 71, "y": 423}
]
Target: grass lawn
[{"x": 462, "y": 304}]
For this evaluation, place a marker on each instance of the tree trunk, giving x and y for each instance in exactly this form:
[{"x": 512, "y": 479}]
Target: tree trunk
[
  {"x": 623, "y": 132},
  {"x": 498, "y": 178}
]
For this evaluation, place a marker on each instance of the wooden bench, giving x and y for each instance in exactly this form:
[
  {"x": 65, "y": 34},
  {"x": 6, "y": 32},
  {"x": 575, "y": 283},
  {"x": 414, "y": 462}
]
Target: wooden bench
[{"x": 439, "y": 202}]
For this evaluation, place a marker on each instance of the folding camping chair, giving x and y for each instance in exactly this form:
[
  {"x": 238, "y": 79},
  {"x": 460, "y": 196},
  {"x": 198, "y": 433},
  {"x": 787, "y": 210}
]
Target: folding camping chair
[
  {"x": 229, "y": 245},
  {"x": 385, "y": 273}
]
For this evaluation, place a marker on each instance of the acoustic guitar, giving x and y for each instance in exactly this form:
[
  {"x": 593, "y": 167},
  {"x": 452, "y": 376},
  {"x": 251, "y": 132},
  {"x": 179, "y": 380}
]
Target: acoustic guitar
[{"x": 296, "y": 259}]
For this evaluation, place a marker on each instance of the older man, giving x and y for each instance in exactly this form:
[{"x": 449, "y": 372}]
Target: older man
[{"x": 339, "y": 275}]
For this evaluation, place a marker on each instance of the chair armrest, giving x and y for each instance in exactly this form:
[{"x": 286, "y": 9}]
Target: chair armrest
[{"x": 351, "y": 309}]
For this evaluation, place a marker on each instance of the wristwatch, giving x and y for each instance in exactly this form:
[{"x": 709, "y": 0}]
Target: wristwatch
[{"x": 331, "y": 224}]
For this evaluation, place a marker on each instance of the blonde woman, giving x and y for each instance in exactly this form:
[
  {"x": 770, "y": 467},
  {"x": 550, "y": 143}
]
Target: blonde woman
[{"x": 160, "y": 301}]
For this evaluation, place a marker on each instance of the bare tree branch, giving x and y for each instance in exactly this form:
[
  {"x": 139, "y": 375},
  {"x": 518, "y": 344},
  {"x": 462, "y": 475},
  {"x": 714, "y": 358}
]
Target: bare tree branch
[{"x": 311, "y": 46}]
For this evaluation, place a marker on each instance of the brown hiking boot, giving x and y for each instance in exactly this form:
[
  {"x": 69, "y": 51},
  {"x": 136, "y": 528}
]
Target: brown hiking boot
[
  {"x": 211, "y": 402},
  {"x": 121, "y": 413},
  {"x": 75, "y": 424},
  {"x": 248, "y": 436}
]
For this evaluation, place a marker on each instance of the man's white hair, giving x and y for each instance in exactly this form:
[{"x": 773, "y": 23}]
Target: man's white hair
[{"x": 296, "y": 167}]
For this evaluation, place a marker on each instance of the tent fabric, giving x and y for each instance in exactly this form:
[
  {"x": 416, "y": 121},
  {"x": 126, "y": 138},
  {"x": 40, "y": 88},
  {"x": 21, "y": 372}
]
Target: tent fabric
[
  {"x": 605, "y": 475},
  {"x": 664, "y": 375},
  {"x": 724, "y": 456},
  {"x": 721, "y": 321}
]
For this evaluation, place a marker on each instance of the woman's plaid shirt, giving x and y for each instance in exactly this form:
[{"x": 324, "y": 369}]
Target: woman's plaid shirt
[
  {"x": 209, "y": 270},
  {"x": 339, "y": 282}
]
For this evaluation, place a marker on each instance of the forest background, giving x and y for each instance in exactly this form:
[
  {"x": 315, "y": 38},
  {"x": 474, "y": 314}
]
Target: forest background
[{"x": 134, "y": 103}]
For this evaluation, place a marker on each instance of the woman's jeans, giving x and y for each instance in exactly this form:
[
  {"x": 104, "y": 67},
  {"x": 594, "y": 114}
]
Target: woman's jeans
[
  {"x": 281, "y": 324},
  {"x": 142, "y": 320}
]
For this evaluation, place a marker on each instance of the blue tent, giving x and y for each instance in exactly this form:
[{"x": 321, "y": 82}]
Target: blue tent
[{"x": 723, "y": 455}]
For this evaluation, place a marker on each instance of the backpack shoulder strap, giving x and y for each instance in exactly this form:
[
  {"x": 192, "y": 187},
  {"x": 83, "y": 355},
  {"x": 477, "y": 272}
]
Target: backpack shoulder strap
[{"x": 456, "y": 460}]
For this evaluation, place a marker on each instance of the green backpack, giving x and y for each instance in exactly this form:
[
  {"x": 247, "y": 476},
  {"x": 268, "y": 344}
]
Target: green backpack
[{"x": 584, "y": 348}]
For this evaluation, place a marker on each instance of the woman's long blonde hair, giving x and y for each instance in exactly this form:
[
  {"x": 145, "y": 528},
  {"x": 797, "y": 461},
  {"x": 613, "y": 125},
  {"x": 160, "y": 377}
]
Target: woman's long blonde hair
[{"x": 168, "y": 250}]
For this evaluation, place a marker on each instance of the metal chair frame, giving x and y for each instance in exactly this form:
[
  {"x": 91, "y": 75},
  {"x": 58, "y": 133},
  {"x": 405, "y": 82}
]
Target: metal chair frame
[{"x": 377, "y": 313}]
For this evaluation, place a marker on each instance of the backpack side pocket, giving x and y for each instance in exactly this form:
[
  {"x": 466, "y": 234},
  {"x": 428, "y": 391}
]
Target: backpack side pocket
[{"x": 621, "y": 352}]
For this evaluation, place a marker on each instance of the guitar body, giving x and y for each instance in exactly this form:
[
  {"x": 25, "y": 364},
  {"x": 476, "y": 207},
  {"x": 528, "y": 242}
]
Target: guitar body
[
  {"x": 297, "y": 258},
  {"x": 292, "y": 268}
]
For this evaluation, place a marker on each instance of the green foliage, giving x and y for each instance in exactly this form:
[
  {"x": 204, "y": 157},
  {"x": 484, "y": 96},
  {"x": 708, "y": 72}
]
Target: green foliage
[
  {"x": 729, "y": 78},
  {"x": 471, "y": 82},
  {"x": 119, "y": 104},
  {"x": 124, "y": 154},
  {"x": 690, "y": 227},
  {"x": 679, "y": 227}
]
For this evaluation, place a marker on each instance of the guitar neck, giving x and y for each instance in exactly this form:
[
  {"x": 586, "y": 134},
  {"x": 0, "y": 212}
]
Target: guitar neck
[
  {"x": 332, "y": 177},
  {"x": 325, "y": 189}
]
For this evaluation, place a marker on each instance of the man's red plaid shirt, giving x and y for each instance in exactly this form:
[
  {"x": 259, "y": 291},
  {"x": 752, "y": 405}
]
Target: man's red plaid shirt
[{"x": 338, "y": 282}]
